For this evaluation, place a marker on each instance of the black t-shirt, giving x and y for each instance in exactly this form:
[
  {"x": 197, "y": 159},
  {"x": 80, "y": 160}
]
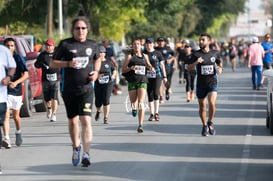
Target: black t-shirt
[
  {"x": 48, "y": 74},
  {"x": 206, "y": 71},
  {"x": 167, "y": 53},
  {"x": 155, "y": 58},
  {"x": 105, "y": 73},
  {"x": 77, "y": 79},
  {"x": 21, "y": 67}
]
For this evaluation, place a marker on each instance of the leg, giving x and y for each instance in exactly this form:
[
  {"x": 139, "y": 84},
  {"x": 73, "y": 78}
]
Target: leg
[
  {"x": 141, "y": 94},
  {"x": 74, "y": 131},
  {"x": 18, "y": 133},
  {"x": 212, "y": 108},
  {"x": 202, "y": 110},
  {"x": 87, "y": 133}
]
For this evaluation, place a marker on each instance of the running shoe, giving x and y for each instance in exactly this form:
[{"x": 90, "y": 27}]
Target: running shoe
[
  {"x": 167, "y": 95},
  {"x": 86, "y": 160},
  {"x": 151, "y": 118},
  {"x": 140, "y": 129},
  {"x": 134, "y": 112},
  {"x": 211, "y": 128},
  {"x": 76, "y": 157},
  {"x": 53, "y": 118},
  {"x": 97, "y": 117},
  {"x": 6, "y": 143},
  {"x": 19, "y": 139},
  {"x": 205, "y": 131},
  {"x": 156, "y": 117}
]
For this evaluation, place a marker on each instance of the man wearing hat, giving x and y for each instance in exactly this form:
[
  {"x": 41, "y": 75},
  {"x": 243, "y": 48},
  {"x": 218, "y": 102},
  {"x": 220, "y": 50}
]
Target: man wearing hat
[
  {"x": 50, "y": 79},
  {"x": 255, "y": 62}
]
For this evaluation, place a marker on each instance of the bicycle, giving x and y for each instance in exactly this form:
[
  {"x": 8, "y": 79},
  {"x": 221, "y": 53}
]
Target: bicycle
[{"x": 128, "y": 106}]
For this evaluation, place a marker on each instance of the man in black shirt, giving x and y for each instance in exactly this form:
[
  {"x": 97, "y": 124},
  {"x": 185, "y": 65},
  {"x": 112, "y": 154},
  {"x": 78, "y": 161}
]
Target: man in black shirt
[
  {"x": 208, "y": 64},
  {"x": 79, "y": 59},
  {"x": 50, "y": 79}
]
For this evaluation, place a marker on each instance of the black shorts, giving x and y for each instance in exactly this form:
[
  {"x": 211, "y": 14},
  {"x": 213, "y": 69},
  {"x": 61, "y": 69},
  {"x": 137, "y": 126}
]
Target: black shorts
[
  {"x": 203, "y": 91},
  {"x": 50, "y": 90},
  {"x": 3, "y": 109},
  {"x": 78, "y": 104}
]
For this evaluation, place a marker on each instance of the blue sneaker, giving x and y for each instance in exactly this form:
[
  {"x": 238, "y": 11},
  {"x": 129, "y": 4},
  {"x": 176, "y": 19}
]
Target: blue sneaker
[
  {"x": 134, "y": 112},
  {"x": 86, "y": 160},
  {"x": 76, "y": 157}
]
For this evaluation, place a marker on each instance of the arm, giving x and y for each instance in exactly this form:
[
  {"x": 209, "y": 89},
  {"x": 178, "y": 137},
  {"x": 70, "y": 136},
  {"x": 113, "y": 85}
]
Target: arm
[
  {"x": 20, "y": 80},
  {"x": 7, "y": 79},
  {"x": 114, "y": 61},
  {"x": 125, "y": 67},
  {"x": 162, "y": 67},
  {"x": 93, "y": 75},
  {"x": 193, "y": 65},
  {"x": 149, "y": 65}
]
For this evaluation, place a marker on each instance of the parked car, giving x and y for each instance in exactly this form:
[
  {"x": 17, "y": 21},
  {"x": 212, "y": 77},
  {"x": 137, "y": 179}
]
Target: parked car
[
  {"x": 269, "y": 110},
  {"x": 32, "y": 87}
]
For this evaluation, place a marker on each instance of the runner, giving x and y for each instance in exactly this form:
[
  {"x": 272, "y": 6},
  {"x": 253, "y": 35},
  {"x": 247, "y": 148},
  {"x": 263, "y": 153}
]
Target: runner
[
  {"x": 170, "y": 66},
  {"x": 134, "y": 70},
  {"x": 78, "y": 58},
  {"x": 50, "y": 79},
  {"x": 14, "y": 102},
  {"x": 104, "y": 86},
  {"x": 186, "y": 58},
  {"x": 154, "y": 78},
  {"x": 208, "y": 64},
  {"x": 267, "y": 60}
]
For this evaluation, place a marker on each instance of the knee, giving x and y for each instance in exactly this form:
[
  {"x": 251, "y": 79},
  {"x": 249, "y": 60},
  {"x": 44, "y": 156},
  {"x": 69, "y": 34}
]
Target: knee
[{"x": 141, "y": 106}]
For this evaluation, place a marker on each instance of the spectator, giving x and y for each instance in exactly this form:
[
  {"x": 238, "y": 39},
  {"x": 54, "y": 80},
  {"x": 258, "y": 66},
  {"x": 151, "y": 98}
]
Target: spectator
[
  {"x": 255, "y": 62},
  {"x": 267, "y": 60}
]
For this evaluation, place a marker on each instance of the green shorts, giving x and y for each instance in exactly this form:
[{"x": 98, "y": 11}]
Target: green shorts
[{"x": 135, "y": 86}]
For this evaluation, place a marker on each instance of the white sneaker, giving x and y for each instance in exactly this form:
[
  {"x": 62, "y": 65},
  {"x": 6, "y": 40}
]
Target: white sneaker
[
  {"x": 53, "y": 118},
  {"x": 6, "y": 143}
]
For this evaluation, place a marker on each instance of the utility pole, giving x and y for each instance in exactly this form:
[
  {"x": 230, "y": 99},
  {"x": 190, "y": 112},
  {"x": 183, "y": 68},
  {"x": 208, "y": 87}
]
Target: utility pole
[
  {"x": 49, "y": 18},
  {"x": 60, "y": 6}
]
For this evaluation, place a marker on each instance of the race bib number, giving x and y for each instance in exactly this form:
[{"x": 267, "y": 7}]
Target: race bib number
[
  {"x": 151, "y": 74},
  {"x": 104, "y": 79},
  {"x": 51, "y": 77},
  {"x": 140, "y": 70},
  {"x": 207, "y": 70},
  {"x": 82, "y": 62}
]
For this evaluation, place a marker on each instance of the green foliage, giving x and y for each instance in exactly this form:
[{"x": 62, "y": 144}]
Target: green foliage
[{"x": 113, "y": 19}]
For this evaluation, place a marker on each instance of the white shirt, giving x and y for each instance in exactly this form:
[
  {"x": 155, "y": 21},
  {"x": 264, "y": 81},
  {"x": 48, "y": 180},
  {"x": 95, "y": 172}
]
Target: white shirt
[{"x": 6, "y": 61}]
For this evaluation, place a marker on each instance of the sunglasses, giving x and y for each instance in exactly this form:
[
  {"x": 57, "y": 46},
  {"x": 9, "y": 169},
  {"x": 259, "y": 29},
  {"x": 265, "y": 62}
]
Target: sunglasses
[
  {"x": 80, "y": 28},
  {"x": 187, "y": 46}
]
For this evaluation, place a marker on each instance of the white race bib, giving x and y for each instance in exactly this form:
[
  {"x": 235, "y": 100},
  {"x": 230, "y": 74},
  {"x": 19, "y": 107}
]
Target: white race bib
[
  {"x": 104, "y": 79},
  {"x": 82, "y": 62},
  {"x": 51, "y": 77},
  {"x": 140, "y": 69},
  {"x": 207, "y": 70},
  {"x": 151, "y": 74}
]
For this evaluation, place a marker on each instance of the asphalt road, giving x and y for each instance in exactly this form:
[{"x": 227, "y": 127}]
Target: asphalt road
[{"x": 170, "y": 150}]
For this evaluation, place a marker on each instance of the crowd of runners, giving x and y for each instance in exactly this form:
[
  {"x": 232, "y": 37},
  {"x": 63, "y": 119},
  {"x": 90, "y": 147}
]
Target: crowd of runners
[{"x": 88, "y": 70}]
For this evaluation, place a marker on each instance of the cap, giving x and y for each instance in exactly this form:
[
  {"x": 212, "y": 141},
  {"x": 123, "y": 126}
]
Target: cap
[
  {"x": 255, "y": 39},
  {"x": 151, "y": 40},
  {"x": 50, "y": 42},
  {"x": 102, "y": 49},
  {"x": 160, "y": 39}
]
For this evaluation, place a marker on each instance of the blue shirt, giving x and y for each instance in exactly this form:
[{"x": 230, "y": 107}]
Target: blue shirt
[{"x": 268, "y": 56}]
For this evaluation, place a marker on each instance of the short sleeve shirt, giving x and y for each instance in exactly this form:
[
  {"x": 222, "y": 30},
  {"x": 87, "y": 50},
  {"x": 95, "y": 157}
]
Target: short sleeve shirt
[
  {"x": 76, "y": 80},
  {"x": 206, "y": 71}
]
